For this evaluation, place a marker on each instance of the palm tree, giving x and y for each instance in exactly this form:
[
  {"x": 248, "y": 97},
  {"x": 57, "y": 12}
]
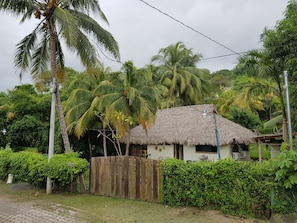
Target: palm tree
[
  {"x": 179, "y": 74},
  {"x": 261, "y": 64},
  {"x": 68, "y": 20},
  {"x": 80, "y": 108},
  {"x": 126, "y": 97}
]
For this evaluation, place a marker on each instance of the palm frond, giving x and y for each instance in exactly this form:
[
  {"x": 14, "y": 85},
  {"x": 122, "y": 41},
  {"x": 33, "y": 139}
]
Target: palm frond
[
  {"x": 18, "y": 7},
  {"x": 85, "y": 6},
  {"x": 273, "y": 122},
  {"x": 69, "y": 26},
  {"x": 23, "y": 52},
  {"x": 40, "y": 57},
  {"x": 86, "y": 51},
  {"x": 90, "y": 26}
]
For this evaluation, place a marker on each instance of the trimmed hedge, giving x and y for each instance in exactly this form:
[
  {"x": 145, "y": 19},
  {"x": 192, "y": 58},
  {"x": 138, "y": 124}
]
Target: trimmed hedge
[
  {"x": 236, "y": 188},
  {"x": 34, "y": 168}
]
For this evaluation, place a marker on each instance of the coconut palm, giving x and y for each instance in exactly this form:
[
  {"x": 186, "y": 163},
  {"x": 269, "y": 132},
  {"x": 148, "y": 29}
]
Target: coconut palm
[
  {"x": 179, "y": 74},
  {"x": 59, "y": 19},
  {"x": 80, "y": 108},
  {"x": 127, "y": 97}
]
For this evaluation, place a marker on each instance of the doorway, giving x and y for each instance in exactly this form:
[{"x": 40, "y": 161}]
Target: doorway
[{"x": 179, "y": 151}]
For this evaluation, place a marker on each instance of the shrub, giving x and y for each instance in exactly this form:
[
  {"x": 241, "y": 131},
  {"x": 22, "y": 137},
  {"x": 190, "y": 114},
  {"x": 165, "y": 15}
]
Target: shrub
[
  {"x": 285, "y": 191},
  {"x": 34, "y": 168},
  {"x": 63, "y": 169},
  {"x": 237, "y": 188},
  {"x": 5, "y": 155}
]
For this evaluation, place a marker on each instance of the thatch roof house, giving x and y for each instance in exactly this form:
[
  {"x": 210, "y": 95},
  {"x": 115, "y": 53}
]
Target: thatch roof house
[{"x": 190, "y": 128}]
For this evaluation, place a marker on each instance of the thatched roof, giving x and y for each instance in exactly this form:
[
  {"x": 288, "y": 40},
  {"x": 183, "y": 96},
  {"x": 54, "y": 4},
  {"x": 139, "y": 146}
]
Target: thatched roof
[{"x": 187, "y": 126}]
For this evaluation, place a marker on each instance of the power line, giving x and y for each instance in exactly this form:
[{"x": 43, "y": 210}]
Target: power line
[
  {"x": 221, "y": 56},
  {"x": 182, "y": 23}
]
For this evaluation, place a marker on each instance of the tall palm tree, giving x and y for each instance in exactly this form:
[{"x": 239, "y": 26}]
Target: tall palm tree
[
  {"x": 126, "y": 96},
  {"x": 179, "y": 74},
  {"x": 80, "y": 108},
  {"x": 59, "y": 19}
]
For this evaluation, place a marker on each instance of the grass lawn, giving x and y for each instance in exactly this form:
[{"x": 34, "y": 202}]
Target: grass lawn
[{"x": 97, "y": 209}]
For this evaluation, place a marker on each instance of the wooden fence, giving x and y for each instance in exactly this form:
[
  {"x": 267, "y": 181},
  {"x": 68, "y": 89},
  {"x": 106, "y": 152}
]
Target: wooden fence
[{"x": 128, "y": 177}]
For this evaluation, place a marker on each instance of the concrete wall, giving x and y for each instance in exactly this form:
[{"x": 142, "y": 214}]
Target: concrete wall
[{"x": 160, "y": 152}]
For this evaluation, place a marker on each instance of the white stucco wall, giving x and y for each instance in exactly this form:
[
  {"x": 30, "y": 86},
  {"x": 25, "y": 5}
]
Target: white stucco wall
[
  {"x": 167, "y": 151},
  {"x": 191, "y": 154},
  {"x": 160, "y": 152}
]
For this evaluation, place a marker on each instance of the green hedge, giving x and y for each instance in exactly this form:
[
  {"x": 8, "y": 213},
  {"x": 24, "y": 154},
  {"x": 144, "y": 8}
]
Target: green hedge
[
  {"x": 237, "y": 188},
  {"x": 34, "y": 168},
  {"x": 63, "y": 169}
]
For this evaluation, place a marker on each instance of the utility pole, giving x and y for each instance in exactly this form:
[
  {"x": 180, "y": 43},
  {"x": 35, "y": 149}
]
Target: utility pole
[
  {"x": 288, "y": 110},
  {"x": 51, "y": 133}
]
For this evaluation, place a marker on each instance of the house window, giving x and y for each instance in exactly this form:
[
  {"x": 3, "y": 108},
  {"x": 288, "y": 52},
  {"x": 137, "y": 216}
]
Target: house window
[{"x": 206, "y": 148}]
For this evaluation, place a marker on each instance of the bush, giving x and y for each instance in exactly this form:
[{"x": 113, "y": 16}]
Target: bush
[
  {"x": 285, "y": 191},
  {"x": 5, "y": 155},
  {"x": 63, "y": 169},
  {"x": 237, "y": 188},
  {"x": 34, "y": 168}
]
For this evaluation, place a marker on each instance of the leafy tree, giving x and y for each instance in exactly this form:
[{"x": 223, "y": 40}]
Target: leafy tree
[
  {"x": 261, "y": 64},
  {"x": 68, "y": 20},
  {"x": 245, "y": 118},
  {"x": 26, "y": 118},
  {"x": 179, "y": 74}
]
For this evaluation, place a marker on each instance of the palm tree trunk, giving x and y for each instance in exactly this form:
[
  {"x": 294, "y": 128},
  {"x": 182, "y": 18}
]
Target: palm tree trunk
[
  {"x": 53, "y": 50},
  {"x": 62, "y": 122}
]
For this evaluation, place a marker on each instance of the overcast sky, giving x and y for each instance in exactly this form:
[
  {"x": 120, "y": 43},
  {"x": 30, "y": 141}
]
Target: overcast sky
[{"x": 141, "y": 31}]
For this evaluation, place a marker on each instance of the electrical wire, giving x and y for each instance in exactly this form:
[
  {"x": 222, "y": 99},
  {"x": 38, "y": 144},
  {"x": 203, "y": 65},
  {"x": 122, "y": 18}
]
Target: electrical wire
[
  {"x": 234, "y": 53},
  {"x": 189, "y": 27}
]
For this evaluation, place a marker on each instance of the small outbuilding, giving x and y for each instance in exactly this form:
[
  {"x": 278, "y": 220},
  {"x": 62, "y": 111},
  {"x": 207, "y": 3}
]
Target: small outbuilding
[{"x": 191, "y": 133}]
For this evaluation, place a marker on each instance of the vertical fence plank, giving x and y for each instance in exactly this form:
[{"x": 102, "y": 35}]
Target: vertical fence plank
[
  {"x": 149, "y": 180},
  {"x": 138, "y": 184},
  {"x": 132, "y": 178},
  {"x": 158, "y": 181},
  {"x": 107, "y": 171},
  {"x": 125, "y": 177},
  {"x": 93, "y": 176},
  {"x": 113, "y": 168},
  {"x": 97, "y": 163},
  {"x": 101, "y": 177},
  {"x": 143, "y": 188}
]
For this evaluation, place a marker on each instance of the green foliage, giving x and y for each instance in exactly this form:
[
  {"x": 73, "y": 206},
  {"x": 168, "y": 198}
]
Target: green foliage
[
  {"x": 237, "y": 188},
  {"x": 5, "y": 155},
  {"x": 245, "y": 118},
  {"x": 25, "y": 115},
  {"x": 34, "y": 168},
  {"x": 285, "y": 191},
  {"x": 63, "y": 169}
]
